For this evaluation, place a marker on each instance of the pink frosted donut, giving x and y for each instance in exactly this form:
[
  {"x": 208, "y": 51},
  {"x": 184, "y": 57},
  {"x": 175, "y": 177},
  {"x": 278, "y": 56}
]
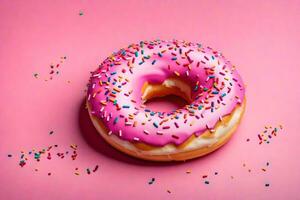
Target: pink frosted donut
[{"x": 128, "y": 78}]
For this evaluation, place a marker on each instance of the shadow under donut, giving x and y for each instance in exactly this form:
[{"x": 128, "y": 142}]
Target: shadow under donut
[{"x": 95, "y": 141}]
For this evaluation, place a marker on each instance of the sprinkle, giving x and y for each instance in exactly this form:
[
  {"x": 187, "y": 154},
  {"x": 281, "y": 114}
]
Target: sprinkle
[
  {"x": 96, "y": 168},
  {"x": 151, "y": 181},
  {"x": 175, "y": 136},
  {"x": 51, "y": 132},
  {"x": 155, "y": 124},
  {"x": 176, "y": 124},
  {"x": 267, "y": 184},
  {"x": 125, "y": 106},
  {"x": 9, "y": 155},
  {"x": 88, "y": 171},
  {"x": 159, "y": 133},
  {"x": 146, "y": 132},
  {"x": 206, "y": 182},
  {"x": 153, "y": 62},
  {"x": 176, "y": 73},
  {"x": 116, "y": 120}
]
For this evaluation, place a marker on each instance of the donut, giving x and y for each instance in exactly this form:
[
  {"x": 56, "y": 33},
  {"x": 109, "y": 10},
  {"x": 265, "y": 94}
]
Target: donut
[{"x": 119, "y": 89}]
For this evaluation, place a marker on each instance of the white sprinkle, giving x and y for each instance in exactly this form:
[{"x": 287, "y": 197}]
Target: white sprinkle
[
  {"x": 109, "y": 133},
  {"x": 136, "y": 139},
  {"x": 89, "y": 97},
  {"x": 97, "y": 75},
  {"x": 146, "y": 132},
  {"x": 120, "y": 133},
  {"x": 221, "y": 118},
  {"x": 102, "y": 108},
  {"x": 159, "y": 133},
  {"x": 128, "y": 123}
]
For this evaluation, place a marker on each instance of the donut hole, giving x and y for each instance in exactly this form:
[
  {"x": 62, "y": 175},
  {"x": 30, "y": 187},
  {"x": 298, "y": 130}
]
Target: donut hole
[{"x": 168, "y": 96}]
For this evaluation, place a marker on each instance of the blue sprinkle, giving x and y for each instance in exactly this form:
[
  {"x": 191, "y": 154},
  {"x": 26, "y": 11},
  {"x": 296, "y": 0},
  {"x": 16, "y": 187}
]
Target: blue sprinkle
[
  {"x": 152, "y": 113},
  {"x": 153, "y": 62},
  {"x": 141, "y": 62},
  {"x": 215, "y": 92},
  {"x": 136, "y": 54},
  {"x": 116, "y": 120},
  {"x": 200, "y": 107},
  {"x": 223, "y": 95},
  {"x": 196, "y": 88},
  {"x": 155, "y": 124},
  {"x": 174, "y": 58},
  {"x": 113, "y": 73},
  {"x": 125, "y": 106},
  {"x": 160, "y": 55}
]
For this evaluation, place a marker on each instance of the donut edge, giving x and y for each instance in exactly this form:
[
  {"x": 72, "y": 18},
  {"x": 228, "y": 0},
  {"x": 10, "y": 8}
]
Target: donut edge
[{"x": 179, "y": 156}]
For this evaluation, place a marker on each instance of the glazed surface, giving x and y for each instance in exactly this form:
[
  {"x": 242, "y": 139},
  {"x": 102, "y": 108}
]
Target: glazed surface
[{"x": 115, "y": 91}]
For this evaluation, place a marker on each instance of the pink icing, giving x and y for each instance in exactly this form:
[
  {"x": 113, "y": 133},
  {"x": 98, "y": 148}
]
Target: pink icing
[{"x": 114, "y": 91}]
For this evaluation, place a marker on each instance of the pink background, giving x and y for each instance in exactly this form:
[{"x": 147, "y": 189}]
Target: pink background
[{"x": 260, "y": 37}]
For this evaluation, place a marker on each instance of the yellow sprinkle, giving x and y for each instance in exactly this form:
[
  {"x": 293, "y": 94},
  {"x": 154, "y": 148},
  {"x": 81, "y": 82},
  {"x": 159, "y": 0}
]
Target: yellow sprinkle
[
  {"x": 176, "y": 73},
  {"x": 117, "y": 89}
]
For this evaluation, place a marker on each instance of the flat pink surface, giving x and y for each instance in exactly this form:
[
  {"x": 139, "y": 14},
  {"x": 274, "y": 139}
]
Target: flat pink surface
[{"x": 260, "y": 37}]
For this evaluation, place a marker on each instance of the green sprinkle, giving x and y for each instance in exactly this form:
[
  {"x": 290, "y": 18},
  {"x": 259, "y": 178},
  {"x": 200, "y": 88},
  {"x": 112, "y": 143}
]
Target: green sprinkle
[
  {"x": 136, "y": 54},
  {"x": 200, "y": 107}
]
